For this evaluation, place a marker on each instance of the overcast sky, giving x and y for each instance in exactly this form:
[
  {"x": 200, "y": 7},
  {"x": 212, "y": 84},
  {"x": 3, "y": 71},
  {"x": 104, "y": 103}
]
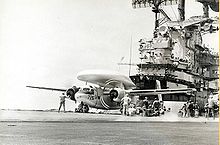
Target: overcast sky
[{"x": 47, "y": 42}]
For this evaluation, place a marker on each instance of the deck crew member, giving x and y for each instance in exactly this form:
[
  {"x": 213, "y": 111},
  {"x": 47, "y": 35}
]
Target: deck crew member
[
  {"x": 125, "y": 102},
  {"x": 211, "y": 104},
  {"x": 62, "y": 102}
]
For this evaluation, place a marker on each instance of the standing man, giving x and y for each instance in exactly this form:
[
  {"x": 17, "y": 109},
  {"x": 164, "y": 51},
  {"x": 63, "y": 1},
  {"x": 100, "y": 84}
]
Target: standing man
[
  {"x": 62, "y": 102},
  {"x": 191, "y": 107},
  {"x": 187, "y": 108},
  {"x": 125, "y": 102},
  {"x": 156, "y": 107},
  {"x": 145, "y": 107},
  {"x": 211, "y": 104},
  {"x": 139, "y": 106}
]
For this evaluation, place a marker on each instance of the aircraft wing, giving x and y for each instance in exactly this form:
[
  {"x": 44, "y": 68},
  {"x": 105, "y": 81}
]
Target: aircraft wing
[
  {"x": 45, "y": 88},
  {"x": 105, "y": 78},
  {"x": 160, "y": 91}
]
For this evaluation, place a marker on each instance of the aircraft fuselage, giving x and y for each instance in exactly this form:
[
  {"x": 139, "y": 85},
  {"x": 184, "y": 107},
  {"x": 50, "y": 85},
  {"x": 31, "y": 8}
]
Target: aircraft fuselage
[{"x": 95, "y": 98}]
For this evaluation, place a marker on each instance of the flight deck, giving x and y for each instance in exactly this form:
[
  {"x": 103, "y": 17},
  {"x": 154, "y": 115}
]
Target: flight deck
[{"x": 40, "y": 128}]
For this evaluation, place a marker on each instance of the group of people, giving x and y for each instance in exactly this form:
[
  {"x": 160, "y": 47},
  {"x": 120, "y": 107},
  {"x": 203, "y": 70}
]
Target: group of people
[
  {"x": 82, "y": 108},
  {"x": 142, "y": 107},
  {"x": 190, "y": 109},
  {"x": 149, "y": 108}
]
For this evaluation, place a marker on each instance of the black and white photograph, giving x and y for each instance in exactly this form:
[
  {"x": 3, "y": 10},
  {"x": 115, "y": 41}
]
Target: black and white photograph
[{"x": 109, "y": 72}]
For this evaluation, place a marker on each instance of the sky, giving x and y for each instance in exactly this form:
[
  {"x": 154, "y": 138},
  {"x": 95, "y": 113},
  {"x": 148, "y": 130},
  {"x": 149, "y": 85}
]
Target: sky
[{"x": 47, "y": 42}]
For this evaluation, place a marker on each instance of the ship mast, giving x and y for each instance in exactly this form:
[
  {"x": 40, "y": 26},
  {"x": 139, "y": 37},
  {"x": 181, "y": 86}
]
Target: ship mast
[
  {"x": 181, "y": 9},
  {"x": 155, "y": 4}
]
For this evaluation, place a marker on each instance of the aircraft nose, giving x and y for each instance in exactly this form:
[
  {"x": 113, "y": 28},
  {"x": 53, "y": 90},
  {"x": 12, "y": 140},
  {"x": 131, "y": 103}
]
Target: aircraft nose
[
  {"x": 80, "y": 97},
  {"x": 77, "y": 96}
]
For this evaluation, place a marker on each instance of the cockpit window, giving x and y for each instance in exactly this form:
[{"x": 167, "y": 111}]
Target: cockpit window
[{"x": 88, "y": 90}]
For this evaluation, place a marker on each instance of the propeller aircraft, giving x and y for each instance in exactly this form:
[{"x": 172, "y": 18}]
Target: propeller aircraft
[{"x": 108, "y": 89}]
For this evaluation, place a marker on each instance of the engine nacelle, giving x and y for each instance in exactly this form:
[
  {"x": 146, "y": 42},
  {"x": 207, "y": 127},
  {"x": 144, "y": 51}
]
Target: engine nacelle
[
  {"x": 71, "y": 92},
  {"x": 117, "y": 94}
]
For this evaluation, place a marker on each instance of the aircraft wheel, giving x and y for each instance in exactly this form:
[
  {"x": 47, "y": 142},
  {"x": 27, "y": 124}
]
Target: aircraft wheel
[{"x": 85, "y": 109}]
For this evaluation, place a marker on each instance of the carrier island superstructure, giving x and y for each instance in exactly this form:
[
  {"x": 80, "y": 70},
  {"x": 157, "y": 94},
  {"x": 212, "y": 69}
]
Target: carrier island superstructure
[{"x": 176, "y": 57}]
